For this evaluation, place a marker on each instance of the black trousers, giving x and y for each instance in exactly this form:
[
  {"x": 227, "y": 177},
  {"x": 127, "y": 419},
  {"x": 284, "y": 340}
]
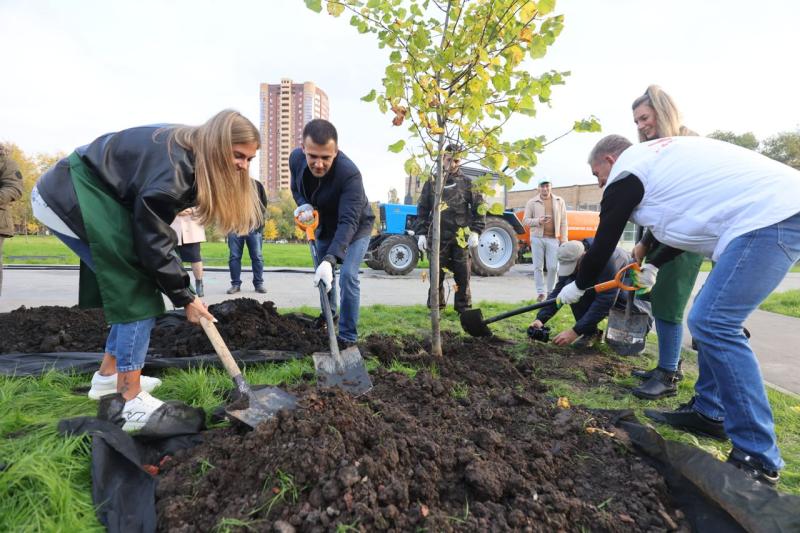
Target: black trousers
[{"x": 457, "y": 260}]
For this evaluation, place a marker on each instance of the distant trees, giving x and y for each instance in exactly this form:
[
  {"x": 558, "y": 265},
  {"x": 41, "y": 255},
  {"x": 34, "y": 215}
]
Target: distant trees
[{"x": 783, "y": 147}]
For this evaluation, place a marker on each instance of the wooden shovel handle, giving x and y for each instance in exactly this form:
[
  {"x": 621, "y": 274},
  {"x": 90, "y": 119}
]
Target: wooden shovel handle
[{"x": 219, "y": 346}]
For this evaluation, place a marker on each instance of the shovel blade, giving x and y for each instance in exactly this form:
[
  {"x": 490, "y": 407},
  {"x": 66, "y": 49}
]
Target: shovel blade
[
  {"x": 472, "y": 322},
  {"x": 351, "y": 375},
  {"x": 263, "y": 404}
]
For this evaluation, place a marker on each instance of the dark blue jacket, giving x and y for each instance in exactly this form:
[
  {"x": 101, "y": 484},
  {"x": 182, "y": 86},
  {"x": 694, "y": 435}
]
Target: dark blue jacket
[
  {"x": 344, "y": 211},
  {"x": 593, "y": 307}
]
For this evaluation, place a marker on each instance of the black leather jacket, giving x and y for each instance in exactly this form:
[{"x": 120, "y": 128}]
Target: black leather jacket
[{"x": 154, "y": 183}]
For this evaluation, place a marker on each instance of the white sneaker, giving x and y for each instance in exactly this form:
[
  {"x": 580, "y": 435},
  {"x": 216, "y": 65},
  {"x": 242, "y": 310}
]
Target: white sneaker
[
  {"x": 138, "y": 411},
  {"x": 102, "y": 385}
]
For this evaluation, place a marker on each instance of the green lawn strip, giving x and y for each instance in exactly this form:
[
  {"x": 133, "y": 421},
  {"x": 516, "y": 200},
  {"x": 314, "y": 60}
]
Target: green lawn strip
[
  {"x": 49, "y": 250},
  {"x": 46, "y": 484},
  {"x": 785, "y": 303}
]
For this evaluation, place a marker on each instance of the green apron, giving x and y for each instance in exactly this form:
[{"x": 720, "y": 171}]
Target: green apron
[
  {"x": 119, "y": 284},
  {"x": 674, "y": 286}
]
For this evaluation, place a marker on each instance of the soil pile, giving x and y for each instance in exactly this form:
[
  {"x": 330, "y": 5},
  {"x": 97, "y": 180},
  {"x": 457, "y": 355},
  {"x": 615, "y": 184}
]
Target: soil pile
[
  {"x": 244, "y": 323},
  {"x": 52, "y": 329},
  {"x": 472, "y": 443}
]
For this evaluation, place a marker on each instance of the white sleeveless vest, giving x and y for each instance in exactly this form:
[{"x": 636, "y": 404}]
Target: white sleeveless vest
[{"x": 700, "y": 193}]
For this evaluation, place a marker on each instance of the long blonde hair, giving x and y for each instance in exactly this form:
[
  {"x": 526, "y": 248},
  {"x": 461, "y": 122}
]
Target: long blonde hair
[
  {"x": 225, "y": 196},
  {"x": 668, "y": 118}
]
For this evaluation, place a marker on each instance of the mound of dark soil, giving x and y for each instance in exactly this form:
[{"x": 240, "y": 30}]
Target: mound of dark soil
[
  {"x": 470, "y": 443},
  {"x": 52, "y": 329},
  {"x": 244, "y": 324}
]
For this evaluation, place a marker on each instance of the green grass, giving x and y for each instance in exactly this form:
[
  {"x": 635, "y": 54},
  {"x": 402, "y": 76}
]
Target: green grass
[
  {"x": 38, "y": 250},
  {"x": 49, "y": 250},
  {"x": 785, "y": 303},
  {"x": 46, "y": 484}
]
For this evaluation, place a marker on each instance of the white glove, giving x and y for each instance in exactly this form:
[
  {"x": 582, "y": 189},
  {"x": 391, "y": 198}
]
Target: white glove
[
  {"x": 474, "y": 240},
  {"x": 324, "y": 273},
  {"x": 569, "y": 294},
  {"x": 645, "y": 279},
  {"x": 304, "y": 213},
  {"x": 422, "y": 243}
]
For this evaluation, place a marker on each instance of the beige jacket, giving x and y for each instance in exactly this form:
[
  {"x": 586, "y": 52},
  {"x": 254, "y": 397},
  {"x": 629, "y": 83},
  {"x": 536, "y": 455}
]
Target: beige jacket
[
  {"x": 187, "y": 229},
  {"x": 535, "y": 209}
]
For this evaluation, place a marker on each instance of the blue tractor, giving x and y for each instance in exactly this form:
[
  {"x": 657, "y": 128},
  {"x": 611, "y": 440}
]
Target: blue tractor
[{"x": 395, "y": 251}]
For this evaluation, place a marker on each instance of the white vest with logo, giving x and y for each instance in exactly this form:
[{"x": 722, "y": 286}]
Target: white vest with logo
[{"x": 700, "y": 193}]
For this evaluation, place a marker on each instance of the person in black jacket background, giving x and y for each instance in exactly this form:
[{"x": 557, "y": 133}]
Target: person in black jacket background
[
  {"x": 461, "y": 213},
  {"x": 112, "y": 202},
  {"x": 326, "y": 180},
  {"x": 592, "y": 307}
]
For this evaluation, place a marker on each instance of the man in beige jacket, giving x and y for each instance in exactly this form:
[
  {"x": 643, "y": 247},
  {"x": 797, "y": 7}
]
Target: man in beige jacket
[{"x": 546, "y": 214}]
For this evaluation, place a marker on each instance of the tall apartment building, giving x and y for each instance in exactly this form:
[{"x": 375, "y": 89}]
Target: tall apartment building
[{"x": 286, "y": 107}]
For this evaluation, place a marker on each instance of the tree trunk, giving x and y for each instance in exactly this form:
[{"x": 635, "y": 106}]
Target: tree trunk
[{"x": 436, "y": 224}]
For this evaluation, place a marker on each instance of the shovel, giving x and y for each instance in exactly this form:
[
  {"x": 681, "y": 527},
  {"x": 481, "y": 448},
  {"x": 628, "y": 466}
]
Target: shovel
[
  {"x": 255, "y": 406},
  {"x": 473, "y": 323},
  {"x": 344, "y": 369},
  {"x": 627, "y": 330}
]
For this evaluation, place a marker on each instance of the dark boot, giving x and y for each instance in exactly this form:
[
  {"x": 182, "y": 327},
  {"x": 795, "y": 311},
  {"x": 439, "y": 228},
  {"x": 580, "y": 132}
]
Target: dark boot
[
  {"x": 687, "y": 419},
  {"x": 647, "y": 374},
  {"x": 753, "y": 468},
  {"x": 662, "y": 384},
  {"x": 198, "y": 287}
]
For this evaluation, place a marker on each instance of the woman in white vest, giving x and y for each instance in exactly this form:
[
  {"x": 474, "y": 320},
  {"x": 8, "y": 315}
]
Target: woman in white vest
[{"x": 740, "y": 209}]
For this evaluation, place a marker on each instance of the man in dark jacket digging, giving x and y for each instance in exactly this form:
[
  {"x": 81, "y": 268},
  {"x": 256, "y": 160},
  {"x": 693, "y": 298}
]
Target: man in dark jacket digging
[
  {"x": 593, "y": 307},
  {"x": 326, "y": 180}
]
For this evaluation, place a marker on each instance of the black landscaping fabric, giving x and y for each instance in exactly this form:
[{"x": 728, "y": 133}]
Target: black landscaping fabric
[
  {"x": 36, "y": 364},
  {"x": 714, "y": 496},
  {"x": 123, "y": 491}
]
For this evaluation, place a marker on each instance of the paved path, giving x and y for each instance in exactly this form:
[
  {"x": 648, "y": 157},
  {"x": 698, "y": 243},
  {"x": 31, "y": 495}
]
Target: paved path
[{"x": 775, "y": 338}]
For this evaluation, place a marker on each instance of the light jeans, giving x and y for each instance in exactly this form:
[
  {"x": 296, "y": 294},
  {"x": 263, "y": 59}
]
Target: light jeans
[
  {"x": 670, "y": 338},
  {"x": 544, "y": 249},
  {"x": 730, "y": 386},
  {"x": 349, "y": 285},
  {"x": 127, "y": 342}
]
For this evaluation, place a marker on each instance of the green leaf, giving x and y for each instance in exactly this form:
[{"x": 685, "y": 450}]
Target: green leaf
[
  {"x": 314, "y": 5},
  {"x": 483, "y": 209},
  {"x": 334, "y": 8},
  {"x": 397, "y": 147},
  {"x": 497, "y": 208},
  {"x": 395, "y": 56},
  {"x": 412, "y": 167},
  {"x": 587, "y": 125},
  {"x": 538, "y": 47},
  {"x": 370, "y": 97},
  {"x": 546, "y": 6},
  {"x": 524, "y": 175}
]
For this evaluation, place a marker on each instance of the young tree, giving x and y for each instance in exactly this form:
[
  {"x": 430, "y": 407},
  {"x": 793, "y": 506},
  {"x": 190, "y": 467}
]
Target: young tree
[
  {"x": 270, "y": 229},
  {"x": 457, "y": 73}
]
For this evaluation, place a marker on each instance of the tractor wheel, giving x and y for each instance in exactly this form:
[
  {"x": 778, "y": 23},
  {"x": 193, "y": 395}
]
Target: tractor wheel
[
  {"x": 399, "y": 254},
  {"x": 497, "y": 251}
]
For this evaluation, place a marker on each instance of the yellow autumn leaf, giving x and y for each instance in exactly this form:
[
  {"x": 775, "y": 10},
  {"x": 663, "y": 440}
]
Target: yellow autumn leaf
[{"x": 563, "y": 402}]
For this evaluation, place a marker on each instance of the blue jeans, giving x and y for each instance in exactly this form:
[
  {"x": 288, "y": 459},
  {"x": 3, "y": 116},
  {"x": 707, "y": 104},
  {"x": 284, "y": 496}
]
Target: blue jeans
[
  {"x": 254, "y": 240},
  {"x": 670, "y": 337},
  {"x": 350, "y": 286},
  {"x": 730, "y": 386},
  {"x": 127, "y": 342}
]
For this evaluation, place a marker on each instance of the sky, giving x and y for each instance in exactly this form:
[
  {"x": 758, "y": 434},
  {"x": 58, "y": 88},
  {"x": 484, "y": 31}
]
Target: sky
[{"x": 75, "y": 70}]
